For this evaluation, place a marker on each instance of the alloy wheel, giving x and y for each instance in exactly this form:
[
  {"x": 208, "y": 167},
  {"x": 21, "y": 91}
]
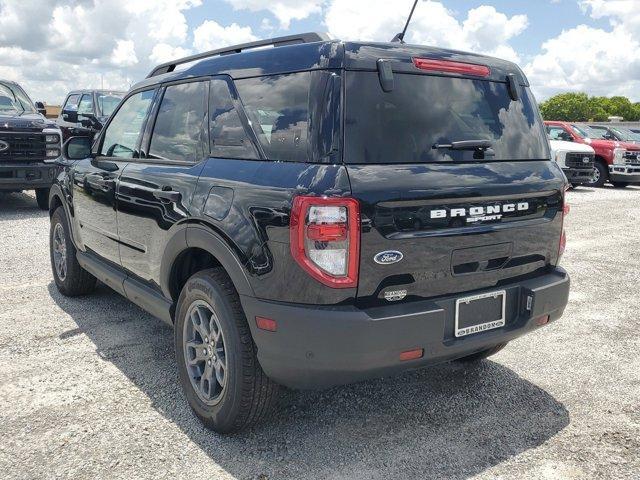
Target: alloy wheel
[
  {"x": 60, "y": 252},
  {"x": 204, "y": 352}
]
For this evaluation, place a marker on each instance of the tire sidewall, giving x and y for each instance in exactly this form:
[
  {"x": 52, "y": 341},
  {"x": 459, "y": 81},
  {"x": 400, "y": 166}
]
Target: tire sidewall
[
  {"x": 225, "y": 411},
  {"x": 604, "y": 175},
  {"x": 59, "y": 217}
]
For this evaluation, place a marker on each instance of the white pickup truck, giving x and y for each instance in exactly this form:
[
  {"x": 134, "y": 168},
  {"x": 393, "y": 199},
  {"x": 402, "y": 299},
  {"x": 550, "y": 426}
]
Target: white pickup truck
[{"x": 575, "y": 159}]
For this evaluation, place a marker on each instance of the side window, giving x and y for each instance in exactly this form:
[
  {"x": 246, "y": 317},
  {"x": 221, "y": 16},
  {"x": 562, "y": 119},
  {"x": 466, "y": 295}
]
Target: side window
[
  {"x": 86, "y": 104},
  {"x": 72, "y": 102},
  {"x": 555, "y": 133},
  {"x": 278, "y": 108},
  {"x": 178, "y": 131},
  {"x": 122, "y": 134},
  {"x": 228, "y": 136}
]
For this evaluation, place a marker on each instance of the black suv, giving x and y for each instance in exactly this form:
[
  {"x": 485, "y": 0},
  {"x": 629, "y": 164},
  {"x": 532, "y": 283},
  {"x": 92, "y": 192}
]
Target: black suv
[
  {"x": 253, "y": 199},
  {"x": 28, "y": 143},
  {"x": 85, "y": 112}
]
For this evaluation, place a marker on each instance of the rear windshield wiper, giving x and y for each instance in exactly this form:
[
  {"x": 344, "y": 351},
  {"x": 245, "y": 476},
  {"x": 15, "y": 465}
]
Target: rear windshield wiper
[{"x": 465, "y": 145}]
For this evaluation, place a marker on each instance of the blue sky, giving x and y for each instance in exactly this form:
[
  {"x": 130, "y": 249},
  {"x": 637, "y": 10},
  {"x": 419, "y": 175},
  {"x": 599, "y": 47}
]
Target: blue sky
[
  {"x": 567, "y": 14},
  {"x": 562, "y": 45}
]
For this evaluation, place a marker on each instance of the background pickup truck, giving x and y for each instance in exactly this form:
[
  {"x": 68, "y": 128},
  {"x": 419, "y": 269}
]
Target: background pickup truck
[
  {"x": 616, "y": 162},
  {"x": 29, "y": 143},
  {"x": 575, "y": 159}
]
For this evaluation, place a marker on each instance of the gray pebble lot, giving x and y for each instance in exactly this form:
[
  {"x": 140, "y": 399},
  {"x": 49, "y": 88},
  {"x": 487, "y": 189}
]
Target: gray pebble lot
[{"x": 88, "y": 386}]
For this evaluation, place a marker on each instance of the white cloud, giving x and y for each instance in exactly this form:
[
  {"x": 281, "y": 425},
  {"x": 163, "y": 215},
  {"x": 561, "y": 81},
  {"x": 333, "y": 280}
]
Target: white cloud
[
  {"x": 85, "y": 44},
  {"x": 211, "y": 35},
  {"x": 284, "y": 10},
  {"x": 594, "y": 60},
  {"x": 485, "y": 30},
  {"x": 164, "y": 52},
  {"x": 124, "y": 54}
]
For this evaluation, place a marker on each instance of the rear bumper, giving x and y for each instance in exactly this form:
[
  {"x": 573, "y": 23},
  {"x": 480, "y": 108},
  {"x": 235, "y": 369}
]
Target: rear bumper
[
  {"x": 15, "y": 176},
  {"x": 318, "y": 347},
  {"x": 624, "y": 173},
  {"x": 578, "y": 176}
]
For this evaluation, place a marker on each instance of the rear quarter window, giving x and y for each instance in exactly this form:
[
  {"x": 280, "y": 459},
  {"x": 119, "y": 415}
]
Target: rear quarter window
[{"x": 278, "y": 109}]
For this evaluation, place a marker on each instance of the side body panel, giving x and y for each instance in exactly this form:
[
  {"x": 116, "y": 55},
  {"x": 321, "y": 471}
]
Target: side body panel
[{"x": 249, "y": 203}]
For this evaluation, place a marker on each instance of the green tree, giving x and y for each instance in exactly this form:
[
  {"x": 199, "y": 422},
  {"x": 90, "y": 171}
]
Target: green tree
[
  {"x": 579, "y": 107},
  {"x": 569, "y": 107}
]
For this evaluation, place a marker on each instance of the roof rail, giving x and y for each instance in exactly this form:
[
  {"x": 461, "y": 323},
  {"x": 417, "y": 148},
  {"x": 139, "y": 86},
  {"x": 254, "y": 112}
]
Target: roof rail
[{"x": 275, "y": 42}]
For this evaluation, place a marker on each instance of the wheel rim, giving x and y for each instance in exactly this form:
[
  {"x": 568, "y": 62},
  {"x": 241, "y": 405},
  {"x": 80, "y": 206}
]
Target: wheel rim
[
  {"x": 204, "y": 352},
  {"x": 59, "y": 252},
  {"x": 596, "y": 175}
]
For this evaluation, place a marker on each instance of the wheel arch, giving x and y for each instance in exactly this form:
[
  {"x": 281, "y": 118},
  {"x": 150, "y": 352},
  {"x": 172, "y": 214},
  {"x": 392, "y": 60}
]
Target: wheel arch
[{"x": 204, "y": 248}]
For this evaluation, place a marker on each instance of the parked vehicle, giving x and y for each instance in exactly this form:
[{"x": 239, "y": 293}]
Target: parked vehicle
[
  {"x": 84, "y": 112},
  {"x": 616, "y": 162},
  {"x": 620, "y": 134},
  {"x": 244, "y": 201},
  {"x": 28, "y": 141},
  {"x": 575, "y": 159}
]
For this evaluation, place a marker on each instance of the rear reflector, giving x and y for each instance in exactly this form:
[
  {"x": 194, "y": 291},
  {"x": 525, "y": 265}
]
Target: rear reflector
[
  {"x": 266, "y": 324},
  {"x": 411, "y": 354},
  {"x": 542, "y": 320},
  {"x": 448, "y": 66}
]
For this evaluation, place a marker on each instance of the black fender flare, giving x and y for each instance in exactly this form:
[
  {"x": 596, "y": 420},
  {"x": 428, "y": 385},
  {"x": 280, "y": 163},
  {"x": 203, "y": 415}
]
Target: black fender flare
[{"x": 189, "y": 235}]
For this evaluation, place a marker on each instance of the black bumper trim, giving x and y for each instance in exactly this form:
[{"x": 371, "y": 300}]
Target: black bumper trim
[
  {"x": 318, "y": 347},
  {"x": 16, "y": 176}
]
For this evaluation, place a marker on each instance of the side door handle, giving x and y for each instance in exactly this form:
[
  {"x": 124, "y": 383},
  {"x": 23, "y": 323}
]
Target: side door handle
[{"x": 167, "y": 195}]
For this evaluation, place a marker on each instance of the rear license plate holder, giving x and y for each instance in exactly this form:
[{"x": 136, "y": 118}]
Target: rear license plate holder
[{"x": 479, "y": 313}]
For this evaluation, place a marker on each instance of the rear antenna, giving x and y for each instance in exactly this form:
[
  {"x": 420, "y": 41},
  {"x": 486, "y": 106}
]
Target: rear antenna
[{"x": 400, "y": 36}]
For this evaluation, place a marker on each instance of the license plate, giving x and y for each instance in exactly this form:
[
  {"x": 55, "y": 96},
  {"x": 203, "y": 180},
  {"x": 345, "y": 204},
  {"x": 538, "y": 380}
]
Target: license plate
[{"x": 479, "y": 313}]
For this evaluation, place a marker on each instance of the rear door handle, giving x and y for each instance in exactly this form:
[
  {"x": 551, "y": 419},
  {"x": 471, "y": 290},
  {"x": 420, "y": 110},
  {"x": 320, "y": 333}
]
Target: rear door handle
[{"x": 167, "y": 195}]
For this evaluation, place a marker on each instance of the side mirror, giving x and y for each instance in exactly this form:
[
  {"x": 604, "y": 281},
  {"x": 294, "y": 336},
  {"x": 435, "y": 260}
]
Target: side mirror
[
  {"x": 41, "y": 108},
  {"x": 76, "y": 148},
  {"x": 88, "y": 120},
  {"x": 70, "y": 115}
]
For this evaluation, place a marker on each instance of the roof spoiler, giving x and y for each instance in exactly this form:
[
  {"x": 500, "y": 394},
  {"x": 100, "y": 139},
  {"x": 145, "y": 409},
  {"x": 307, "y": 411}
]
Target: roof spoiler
[{"x": 272, "y": 42}]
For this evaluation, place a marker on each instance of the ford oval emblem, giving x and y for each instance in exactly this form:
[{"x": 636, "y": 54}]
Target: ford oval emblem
[
  {"x": 3, "y": 146},
  {"x": 388, "y": 257}
]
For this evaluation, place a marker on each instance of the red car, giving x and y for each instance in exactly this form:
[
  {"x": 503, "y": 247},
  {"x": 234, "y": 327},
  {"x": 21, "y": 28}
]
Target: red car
[{"x": 616, "y": 162}]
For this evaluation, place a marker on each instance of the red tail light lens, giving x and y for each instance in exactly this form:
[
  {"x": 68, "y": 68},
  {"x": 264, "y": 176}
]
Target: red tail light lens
[
  {"x": 325, "y": 239},
  {"x": 448, "y": 66}
]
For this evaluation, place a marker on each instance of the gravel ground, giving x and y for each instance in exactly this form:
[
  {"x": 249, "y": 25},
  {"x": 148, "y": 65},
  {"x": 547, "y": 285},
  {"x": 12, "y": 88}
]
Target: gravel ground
[{"x": 88, "y": 386}]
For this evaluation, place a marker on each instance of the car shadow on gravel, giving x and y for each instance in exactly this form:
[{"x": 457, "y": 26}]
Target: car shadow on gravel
[
  {"x": 20, "y": 205},
  {"x": 449, "y": 421}
]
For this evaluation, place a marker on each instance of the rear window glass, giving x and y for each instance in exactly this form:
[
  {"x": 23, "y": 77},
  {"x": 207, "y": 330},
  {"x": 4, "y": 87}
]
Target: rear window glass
[
  {"x": 278, "y": 108},
  {"x": 228, "y": 136},
  {"x": 178, "y": 133},
  {"x": 414, "y": 122}
]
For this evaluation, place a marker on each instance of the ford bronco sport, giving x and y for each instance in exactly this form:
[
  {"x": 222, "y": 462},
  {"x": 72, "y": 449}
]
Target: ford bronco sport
[
  {"x": 251, "y": 198},
  {"x": 28, "y": 143}
]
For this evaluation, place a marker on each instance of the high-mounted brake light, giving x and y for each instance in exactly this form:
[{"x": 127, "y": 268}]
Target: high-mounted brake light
[
  {"x": 325, "y": 239},
  {"x": 448, "y": 66}
]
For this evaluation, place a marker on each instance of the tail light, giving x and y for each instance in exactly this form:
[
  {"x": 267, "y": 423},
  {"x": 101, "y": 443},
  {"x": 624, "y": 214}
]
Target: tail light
[
  {"x": 325, "y": 239},
  {"x": 448, "y": 66}
]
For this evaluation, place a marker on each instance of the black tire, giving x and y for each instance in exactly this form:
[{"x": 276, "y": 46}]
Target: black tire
[
  {"x": 601, "y": 174},
  {"x": 620, "y": 184},
  {"x": 481, "y": 355},
  {"x": 73, "y": 280},
  {"x": 247, "y": 394},
  {"x": 42, "y": 197}
]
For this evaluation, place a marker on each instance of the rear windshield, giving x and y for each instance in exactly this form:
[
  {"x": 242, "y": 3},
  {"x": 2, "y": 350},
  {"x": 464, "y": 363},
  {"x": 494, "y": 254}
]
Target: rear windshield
[{"x": 414, "y": 122}]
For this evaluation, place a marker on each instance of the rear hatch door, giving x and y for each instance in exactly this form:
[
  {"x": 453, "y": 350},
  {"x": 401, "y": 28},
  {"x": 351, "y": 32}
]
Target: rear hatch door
[{"x": 440, "y": 219}]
